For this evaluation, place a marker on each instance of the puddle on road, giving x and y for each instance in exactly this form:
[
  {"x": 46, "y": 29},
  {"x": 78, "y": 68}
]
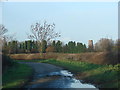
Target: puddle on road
[{"x": 60, "y": 79}]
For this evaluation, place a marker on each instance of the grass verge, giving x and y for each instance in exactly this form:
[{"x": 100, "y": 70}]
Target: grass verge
[
  {"x": 103, "y": 76},
  {"x": 16, "y": 76}
]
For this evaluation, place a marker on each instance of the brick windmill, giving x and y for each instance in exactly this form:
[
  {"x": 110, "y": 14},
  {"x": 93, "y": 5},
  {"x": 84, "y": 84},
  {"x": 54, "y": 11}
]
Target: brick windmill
[{"x": 90, "y": 45}]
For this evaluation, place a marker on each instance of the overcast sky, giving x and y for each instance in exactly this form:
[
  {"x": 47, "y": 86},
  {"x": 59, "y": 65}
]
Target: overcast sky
[{"x": 78, "y": 21}]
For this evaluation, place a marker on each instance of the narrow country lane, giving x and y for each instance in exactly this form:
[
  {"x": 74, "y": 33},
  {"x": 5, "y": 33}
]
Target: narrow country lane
[{"x": 50, "y": 76}]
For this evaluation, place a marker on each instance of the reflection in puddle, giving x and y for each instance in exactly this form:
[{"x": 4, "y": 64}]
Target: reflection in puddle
[
  {"x": 62, "y": 73},
  {"x": 60, "y": 79}
]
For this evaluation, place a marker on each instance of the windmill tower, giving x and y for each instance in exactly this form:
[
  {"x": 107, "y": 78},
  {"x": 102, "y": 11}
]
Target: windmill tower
[{"x": 90, "y": 45}]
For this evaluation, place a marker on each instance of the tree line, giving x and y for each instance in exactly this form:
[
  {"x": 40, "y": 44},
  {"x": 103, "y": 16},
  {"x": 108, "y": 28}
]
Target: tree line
[
  {"x": 31, "y": 46},
  {"x": 42, "y": 34}
]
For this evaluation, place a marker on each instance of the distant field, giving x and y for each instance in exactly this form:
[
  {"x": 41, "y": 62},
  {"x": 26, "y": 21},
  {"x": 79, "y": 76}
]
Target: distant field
[
  {"x": 104, "y": 76},
  {"x": 92, "y": 57}
]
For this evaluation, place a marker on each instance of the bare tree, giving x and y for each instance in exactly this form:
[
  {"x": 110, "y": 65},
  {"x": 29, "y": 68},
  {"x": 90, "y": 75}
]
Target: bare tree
[
  {"x": 41, "y": 32},
  {"x": 104, "y": 44},
  {"x": 4, "y": 39},
  {"x": 3, "y": 30}
]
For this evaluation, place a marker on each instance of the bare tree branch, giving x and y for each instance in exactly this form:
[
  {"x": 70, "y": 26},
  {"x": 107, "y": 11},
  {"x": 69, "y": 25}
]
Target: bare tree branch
[
  {"x": 3, "y": 30},
  {"x": 41, "y": 32}
]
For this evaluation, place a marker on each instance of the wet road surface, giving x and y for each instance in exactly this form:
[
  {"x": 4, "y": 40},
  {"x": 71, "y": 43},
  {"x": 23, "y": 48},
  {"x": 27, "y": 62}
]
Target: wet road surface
[{"x": 50, "y": 76}]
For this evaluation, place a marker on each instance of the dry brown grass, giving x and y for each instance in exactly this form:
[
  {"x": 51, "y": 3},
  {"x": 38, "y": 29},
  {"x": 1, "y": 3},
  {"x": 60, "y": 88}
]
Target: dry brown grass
[{"x": 92, "y": 57}]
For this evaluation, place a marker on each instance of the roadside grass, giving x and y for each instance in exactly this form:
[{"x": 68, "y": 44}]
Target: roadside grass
[
  {"x": 104, "y": 76},
  {"x": 16, "y": 76}
]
